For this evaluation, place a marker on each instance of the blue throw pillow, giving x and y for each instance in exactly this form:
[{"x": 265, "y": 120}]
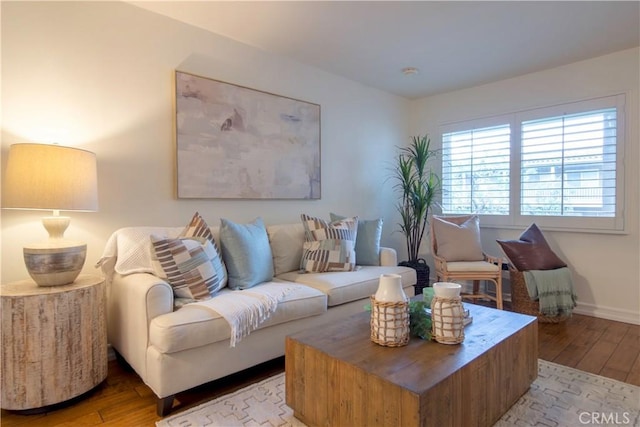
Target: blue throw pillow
[
  {"x": 367, "y": 240},
  {"x": 246, "y": 253}
]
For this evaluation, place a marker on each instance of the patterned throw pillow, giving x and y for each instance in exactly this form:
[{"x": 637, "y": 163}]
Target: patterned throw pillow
[
  {"x": 187, "y": 265},
  {"x": 367, "y": 241},
  {"x": 198, "y": 227},
  {"x": 329, "y": 246}
]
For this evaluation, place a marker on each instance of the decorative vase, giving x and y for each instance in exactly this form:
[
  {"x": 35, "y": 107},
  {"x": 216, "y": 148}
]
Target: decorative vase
[
  {"x": 390, "y": 289},
  {"x": 447, "y": 313},
  {"x": 390, "y": 312}
]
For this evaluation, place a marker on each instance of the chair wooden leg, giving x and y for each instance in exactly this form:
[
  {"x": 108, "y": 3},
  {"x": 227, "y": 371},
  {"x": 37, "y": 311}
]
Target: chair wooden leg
[
  {"x": 499, "y": 293},
  {"x": 476, "y": 287}
]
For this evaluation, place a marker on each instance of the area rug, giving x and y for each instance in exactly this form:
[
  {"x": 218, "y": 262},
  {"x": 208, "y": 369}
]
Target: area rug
[{"x": 560, "y": 396}]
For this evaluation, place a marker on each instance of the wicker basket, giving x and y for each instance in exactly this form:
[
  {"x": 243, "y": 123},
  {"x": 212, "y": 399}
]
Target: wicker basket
[
  {"x": 522, "y": 303},
  {"x": 447, "y": 320},
  {"x": 389, "y": 323}
]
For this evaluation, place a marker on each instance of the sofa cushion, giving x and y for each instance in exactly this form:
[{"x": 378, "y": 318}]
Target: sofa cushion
[
  {"x": 188, "y": 265},
  {"x": 343, "y": 287},
  {"x": 246, "y": 252},
  {"x": 328, "y": 246},
  {"x": 367, "y": 239},
  {"x": 194, "y": 325},
  {"x": 286, "y": 242},
  {"x": 460, "y": 266}
]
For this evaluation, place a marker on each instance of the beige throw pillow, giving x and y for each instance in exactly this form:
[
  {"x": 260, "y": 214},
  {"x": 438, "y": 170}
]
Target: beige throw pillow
[
  {"x": 458, "y": 242},
  {"x": 286, "y": 246}
]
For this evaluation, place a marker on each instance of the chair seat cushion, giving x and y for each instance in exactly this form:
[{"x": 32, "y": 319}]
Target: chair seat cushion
[{"x": 462, "y": 266}]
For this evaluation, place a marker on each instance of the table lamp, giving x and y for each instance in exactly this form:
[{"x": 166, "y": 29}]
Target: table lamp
[{"x": 57, "y": 178}]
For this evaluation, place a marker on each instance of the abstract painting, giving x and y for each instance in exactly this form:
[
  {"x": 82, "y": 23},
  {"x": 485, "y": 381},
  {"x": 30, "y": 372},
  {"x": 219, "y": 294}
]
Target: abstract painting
[{"x": 239, "y": 143}]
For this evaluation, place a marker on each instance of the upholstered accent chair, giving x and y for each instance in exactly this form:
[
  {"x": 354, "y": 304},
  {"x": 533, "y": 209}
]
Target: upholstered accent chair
[{"x": 458, "y": 255}]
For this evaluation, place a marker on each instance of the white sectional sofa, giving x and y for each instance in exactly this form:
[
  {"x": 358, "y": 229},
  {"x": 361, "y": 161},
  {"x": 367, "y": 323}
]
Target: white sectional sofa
[{"x": 174, "y": 349}]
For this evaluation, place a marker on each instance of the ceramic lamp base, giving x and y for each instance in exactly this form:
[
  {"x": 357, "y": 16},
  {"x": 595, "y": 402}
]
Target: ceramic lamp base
[{"x": 55, "y": 263}]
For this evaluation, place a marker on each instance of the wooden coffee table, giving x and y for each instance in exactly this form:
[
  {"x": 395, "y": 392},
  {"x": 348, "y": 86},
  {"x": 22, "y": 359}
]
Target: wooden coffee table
[{"x": 335, "y": 375}]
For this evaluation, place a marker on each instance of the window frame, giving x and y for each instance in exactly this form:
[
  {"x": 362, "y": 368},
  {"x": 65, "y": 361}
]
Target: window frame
[
  {"x": 515, "y": 219},
  {"x": 494, "y": 121}
]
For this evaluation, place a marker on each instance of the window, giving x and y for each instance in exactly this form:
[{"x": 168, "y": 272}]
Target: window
[
  {"x": 558, "y": 166},
  {"x": 475, "y": 170},
  {"x": 568, "y": 165}
]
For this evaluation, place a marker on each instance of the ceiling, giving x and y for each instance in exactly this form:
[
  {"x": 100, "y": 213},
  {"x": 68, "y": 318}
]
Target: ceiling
[{"x": 453, "y": 44}]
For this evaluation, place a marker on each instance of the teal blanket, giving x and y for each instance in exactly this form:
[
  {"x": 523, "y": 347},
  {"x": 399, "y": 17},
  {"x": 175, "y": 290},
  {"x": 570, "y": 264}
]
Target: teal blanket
[{"x": 553, "y": 289}]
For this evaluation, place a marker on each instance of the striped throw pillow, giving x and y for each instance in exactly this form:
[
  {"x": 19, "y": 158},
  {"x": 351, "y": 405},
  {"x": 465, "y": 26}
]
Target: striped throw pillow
[
  {"x": 329, "y": 246},
  {"x": 187, "y": 265},
  {"x": 198, "y": 227}
]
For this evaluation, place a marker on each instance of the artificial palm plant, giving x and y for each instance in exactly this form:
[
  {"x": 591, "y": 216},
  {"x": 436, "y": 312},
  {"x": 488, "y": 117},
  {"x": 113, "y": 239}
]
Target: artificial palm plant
[{"x": 418, "y": 187}]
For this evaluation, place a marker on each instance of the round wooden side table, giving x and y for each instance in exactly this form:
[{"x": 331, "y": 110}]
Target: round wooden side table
[{"x": 54, "y": 341}]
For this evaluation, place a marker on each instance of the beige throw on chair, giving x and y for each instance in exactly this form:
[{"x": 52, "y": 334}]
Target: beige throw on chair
[{"x": 458, "y": 255}]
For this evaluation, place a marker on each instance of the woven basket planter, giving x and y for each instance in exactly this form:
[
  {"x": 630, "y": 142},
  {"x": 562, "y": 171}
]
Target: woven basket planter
[
  {"x": 522, "y": 303},
  {"x": 389, "y": 323}
]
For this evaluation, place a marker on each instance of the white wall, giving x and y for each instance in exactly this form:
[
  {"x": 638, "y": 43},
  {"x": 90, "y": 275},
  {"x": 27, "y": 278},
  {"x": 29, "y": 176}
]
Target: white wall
[
  {"x": 100, "y": 76},
  {"x": 605, "y": 266}
]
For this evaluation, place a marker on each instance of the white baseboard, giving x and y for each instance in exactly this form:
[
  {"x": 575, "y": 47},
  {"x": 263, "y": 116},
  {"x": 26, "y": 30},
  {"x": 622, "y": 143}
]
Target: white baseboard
[
  {"x": 111, "y": 354},
  {"x": 610, "y": 313}
]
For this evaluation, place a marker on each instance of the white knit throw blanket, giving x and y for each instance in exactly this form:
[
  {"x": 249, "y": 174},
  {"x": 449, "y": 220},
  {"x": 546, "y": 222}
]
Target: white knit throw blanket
[{"x": 245, "y": 310}]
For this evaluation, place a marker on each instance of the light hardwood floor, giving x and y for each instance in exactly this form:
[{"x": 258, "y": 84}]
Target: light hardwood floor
[{"x": 603, "y": 347}]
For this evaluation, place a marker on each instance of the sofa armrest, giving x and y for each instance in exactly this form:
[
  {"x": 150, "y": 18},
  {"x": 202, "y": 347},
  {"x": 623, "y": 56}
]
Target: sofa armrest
[
  {"x": 133, "y": 302},
  {"x": 388, "y": 257}
]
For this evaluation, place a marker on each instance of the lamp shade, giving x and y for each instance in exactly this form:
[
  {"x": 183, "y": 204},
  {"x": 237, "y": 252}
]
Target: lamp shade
[
  {"x": 52, "y": 177},
  {"x": 56, "y": 178}
]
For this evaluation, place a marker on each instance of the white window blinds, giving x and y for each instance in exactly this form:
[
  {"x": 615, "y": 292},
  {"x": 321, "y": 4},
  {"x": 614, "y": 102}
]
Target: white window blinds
[
  {"x": 568, "y": 165},
  {"x": 475, "y": 171},
  {"x": 560, "y": 166}
]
